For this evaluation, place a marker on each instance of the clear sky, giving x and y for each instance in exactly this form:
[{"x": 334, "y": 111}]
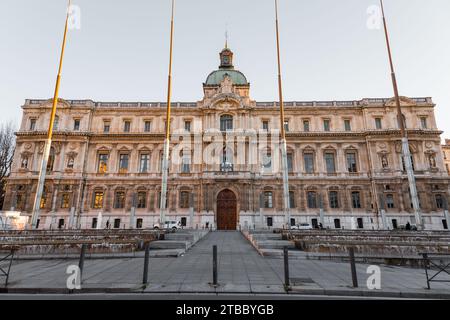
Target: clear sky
[{"x": 120, "y": 53}]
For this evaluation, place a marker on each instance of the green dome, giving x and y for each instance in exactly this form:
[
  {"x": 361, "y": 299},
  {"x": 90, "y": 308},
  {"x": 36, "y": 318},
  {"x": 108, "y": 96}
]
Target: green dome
[{"x": 216, "y": 77}]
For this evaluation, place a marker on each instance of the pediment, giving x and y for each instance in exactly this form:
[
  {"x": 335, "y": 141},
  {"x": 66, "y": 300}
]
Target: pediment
[{"x": 404, "y": 102}]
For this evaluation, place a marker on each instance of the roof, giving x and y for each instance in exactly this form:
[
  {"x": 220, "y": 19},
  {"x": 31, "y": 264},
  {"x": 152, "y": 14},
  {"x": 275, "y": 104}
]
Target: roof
[{"x": 216, "y": 77}]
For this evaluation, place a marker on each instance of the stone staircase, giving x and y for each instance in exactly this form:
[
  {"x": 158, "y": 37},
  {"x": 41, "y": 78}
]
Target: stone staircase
[
  {"x": 270, "y": 244},
  {"x": 176, "y": 244}
]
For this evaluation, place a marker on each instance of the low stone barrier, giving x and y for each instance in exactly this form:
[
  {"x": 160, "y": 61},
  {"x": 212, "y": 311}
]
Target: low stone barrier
[{"x": 70, "y": 242}]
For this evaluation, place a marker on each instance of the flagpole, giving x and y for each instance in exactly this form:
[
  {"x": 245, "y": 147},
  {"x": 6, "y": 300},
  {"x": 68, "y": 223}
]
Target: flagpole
[
  {"x": 284, "y": 161},
  {"x": 405, "y": 143},
  {"x": 165, "y": 164},
  {"x": 48, "y": 142}
]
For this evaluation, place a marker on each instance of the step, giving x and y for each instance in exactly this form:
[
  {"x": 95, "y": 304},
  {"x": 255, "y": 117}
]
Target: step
[
  {"x": 267, "y": 236},
  {"x": 170, "y": 244},
  {"x": 278, "y": 253},
  {"x": 180, "y": 237},
  {"x": 167, "y": 253},
  {"x": 275, "y": 244}
]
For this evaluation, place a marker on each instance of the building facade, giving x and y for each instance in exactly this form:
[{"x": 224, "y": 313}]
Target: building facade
[
  {"x": 344, "y": 161},
  {"x": 446, "y": 152}
]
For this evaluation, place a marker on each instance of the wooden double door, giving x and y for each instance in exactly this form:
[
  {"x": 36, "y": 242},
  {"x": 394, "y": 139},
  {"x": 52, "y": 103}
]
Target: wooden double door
[{"x": 226, "y": 210}]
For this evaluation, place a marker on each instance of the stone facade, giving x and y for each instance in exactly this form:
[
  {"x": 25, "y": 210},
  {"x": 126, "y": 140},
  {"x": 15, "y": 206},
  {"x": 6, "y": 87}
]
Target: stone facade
[
  {"x": 446, "y": 151},
  {"x": 344, "y": 156}
]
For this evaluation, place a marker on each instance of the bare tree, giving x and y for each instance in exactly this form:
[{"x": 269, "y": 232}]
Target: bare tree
[{"x": 7, "y": 147}]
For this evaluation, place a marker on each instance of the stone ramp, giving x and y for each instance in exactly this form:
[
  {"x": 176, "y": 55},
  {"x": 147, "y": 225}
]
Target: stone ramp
[{"x": 176, "y": 244}]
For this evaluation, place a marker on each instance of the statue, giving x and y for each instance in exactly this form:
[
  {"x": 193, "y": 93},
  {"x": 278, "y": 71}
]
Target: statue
[
  {"x": 70, "y": 163},
  {"x": 25, "y": 163},
  {"x": 432, "y": 160},
  {"x": 384, "y": 161}
]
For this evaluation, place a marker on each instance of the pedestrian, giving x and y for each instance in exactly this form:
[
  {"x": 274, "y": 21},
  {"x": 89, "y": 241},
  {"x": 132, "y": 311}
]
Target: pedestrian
[{"x": 408, "y": 226}]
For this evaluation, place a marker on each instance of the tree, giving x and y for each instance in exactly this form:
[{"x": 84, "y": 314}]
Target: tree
[{"x": 7, "y": 147}]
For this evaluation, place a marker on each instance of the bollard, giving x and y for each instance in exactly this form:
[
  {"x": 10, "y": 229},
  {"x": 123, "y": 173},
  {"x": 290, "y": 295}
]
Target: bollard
[
  {"x": 146, "y": 259},
  {"x": 215, "y": 265},
  {"x": 286, "y": 267},
  {"x": 81, "y": 263},
  {"x": 425, "y": 261},
  {"x": 353, "y": 267}
]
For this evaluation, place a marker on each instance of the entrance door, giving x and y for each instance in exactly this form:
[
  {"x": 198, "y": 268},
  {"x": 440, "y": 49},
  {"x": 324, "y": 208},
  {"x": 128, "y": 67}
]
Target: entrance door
[{"x": 226, "y": 210}]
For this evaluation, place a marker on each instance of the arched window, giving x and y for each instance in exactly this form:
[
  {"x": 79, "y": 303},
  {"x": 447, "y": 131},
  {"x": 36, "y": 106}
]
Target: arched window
[
  {"x": 312, "y": 200},
  {"x": 226, "y": 123},
  {"x": 119, "y": 200}
]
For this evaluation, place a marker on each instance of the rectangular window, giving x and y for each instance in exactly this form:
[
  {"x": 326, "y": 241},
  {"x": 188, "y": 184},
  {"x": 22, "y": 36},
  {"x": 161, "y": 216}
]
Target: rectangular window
[
  {"x": 65, "y": 201},
  {"x": 226, "y": 123},
  {"x": 98, "y": 200},
  {"x": 141, "y": 200},
  {"x": 94, "y": 223},
  {"x": 347, "y": 125},
  {"x": 123, "y": 163},
  {"x": 119, "y": 200},
  {"x": 439, "y": 201},
  {"x": 269, "y": 221},
  {"x": 309, "y": 162},
  {"x": 378, "y": 124},
  {"x": 356, "y": 200},
  {"x": 187, "y": 126},
  {"x": 61, "y": 224},
  {"x": 139, "y": 223},
  {"x": 184, "y": 199},
  {"x": 290, "y": 162},
  {"x": 334, "y": 200},
  {"x": 286, "y": 125},
  {"x": 127, "y": 126},
  {"x": 76, "y": 125},
  {"x": 265, "y": 125},
  {"x": 423, "y": 122},
  {"x": 312, "y": 200},
  {"x": 144, "y": 164},
  {"x": 351, "y": 162},
  {"x": 291, "y": 200},
  {"x": 330, "y": 163},
  {"x": 360, "y": 223},
  {"x": 186, "y": 164},
  {"x": 106, "y": 126},
  {"x": 337, "y": 223},
  {"x": 404, "y": 165},
  {"x": 268, "y": 200},
  {"x": 32, "y": 124},
  {"x": 390, "y": 201},
  {"x": 306, "y": 126},
  {"x": 147, "y": 126},
  {"x": 116, "y": 223},
  {"x": 103, "y": 163},
  {"x": 326, "y": 125}
]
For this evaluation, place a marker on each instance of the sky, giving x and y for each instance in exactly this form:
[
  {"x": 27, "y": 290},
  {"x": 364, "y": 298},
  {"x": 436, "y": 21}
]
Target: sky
[{"x": 331, "y": 50}]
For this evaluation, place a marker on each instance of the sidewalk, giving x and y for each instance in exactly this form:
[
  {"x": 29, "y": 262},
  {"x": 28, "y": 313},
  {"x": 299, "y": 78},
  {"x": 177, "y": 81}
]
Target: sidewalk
[{"x": 240, "y": 270}]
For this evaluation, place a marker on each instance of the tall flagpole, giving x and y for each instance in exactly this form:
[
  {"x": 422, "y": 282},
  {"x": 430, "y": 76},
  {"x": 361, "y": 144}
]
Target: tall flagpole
[
  {"x": 165, "y": 164},
  {"x": 48, "y": 142},
  {"x": 405, "y": 144},
  {"x": 284, "y": 161}
]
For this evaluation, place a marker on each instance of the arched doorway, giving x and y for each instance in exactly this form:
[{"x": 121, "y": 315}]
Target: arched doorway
[{"x": 226, "y": 210}]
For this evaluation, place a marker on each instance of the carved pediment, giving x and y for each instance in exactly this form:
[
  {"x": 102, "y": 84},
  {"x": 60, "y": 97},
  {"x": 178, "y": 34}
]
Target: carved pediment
[
  {"x": 61, "y": 104},
  {"x": 404, "y": 102},
  {"x": 412, "y": 147}
]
